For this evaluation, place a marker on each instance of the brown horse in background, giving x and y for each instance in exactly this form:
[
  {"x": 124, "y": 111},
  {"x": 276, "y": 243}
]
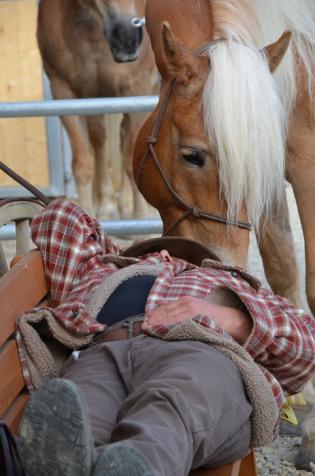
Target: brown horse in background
[
  {"x": 226, "y": 131},
  {"x": 90, "y": 49}
]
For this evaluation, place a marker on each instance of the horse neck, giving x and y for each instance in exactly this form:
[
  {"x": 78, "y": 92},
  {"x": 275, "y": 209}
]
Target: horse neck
[
  {"x": 299, "y": 18},
  {"x": 302, "y": 110},
  {"x": 67, "y": 21}
]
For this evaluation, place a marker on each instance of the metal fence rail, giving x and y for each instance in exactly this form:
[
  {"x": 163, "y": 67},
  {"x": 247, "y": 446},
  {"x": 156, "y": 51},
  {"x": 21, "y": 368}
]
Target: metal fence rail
[
  {"x": 68, "y": 107},
  {"x": 119, "y": 228}
]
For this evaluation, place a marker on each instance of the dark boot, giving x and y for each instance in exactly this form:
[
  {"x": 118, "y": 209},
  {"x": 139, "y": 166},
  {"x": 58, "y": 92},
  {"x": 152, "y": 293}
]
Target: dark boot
[
  {"x": 55, "y": 436},
  {"x": 120, "y": 459}
]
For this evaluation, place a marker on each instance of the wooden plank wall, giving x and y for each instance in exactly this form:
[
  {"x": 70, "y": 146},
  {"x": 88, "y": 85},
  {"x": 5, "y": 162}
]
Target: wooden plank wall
[
  {"x": 22, "y": 141},
  {"x": 112, "y": 122}
]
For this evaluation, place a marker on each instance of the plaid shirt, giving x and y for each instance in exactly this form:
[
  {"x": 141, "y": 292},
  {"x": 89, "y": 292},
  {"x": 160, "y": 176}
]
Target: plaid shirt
[{"x": 78, "y": 257}]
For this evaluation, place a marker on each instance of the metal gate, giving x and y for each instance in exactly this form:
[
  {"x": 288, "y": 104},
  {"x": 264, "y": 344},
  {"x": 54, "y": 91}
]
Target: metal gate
[{"x": 56, "y": 141}]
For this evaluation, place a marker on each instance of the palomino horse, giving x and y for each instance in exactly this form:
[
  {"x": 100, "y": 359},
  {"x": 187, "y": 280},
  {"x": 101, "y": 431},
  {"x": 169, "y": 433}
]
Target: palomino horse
[
  {"x": 90, "y": 49},
  {"x": 211, "y": 158}
]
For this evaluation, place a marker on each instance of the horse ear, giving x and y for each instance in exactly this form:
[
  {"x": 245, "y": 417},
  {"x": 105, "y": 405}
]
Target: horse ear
[
  {"x": 178, "y": 60},
  {"x": 276, "y": 51}
]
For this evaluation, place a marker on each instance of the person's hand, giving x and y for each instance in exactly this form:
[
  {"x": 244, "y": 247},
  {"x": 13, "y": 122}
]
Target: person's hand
[{"x": 235, "y": 322}]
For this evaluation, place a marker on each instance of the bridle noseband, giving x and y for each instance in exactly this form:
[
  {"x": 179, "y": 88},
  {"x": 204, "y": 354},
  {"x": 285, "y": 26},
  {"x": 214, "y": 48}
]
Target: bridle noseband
[{"x": 189, "y": 211}]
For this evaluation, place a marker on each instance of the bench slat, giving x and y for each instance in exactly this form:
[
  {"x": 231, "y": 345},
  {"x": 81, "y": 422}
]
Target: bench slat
[
  {"x": 248, "y": 465},
  {"x": 20, "y": 290},
  {"x": 13, "y": 415},
  {"x": 231, "y": 469},
  {"x": 11, "y": 382}
]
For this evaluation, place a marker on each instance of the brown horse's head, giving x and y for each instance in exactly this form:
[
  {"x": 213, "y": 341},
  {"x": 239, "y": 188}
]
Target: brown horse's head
[
  {"x": 189, "y": 154},
  {"x": 116, "y": 17}
]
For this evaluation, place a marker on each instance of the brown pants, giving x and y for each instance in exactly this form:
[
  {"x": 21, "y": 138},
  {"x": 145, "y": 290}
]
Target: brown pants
[{"x": 181, "y": 404}]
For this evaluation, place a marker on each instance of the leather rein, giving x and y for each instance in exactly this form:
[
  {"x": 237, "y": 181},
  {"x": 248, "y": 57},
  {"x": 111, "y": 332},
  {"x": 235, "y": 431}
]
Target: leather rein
[
  {"x": 22, "y": 181},
  {"x": 189, "y": 210}
]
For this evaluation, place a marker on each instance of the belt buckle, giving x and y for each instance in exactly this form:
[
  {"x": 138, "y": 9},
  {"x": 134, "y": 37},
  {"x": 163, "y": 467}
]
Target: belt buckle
[{"x": 129, "y": 323}]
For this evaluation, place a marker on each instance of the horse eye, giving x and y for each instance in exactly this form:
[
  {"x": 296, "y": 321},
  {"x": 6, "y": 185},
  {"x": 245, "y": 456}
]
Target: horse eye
[{"x": 194, "y": 156}]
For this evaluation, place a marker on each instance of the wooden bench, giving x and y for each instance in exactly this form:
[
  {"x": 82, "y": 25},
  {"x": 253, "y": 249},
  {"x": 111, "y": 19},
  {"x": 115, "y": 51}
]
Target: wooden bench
[
  {"x": 21, "y": 289},
  {"x": 20, "y": 213}
]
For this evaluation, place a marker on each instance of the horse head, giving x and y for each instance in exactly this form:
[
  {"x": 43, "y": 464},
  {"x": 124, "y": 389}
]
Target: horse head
[
  {"x": 123, "y": 36},
  {"x": 177, "y": 157}
]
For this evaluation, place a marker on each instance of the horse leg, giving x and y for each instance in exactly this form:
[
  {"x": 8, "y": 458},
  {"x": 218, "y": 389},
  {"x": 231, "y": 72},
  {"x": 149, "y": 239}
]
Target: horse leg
[
  {"x": 82, "y": 160},
  {"x": 82, "y": 155},
  {"x": 301, "y": 174},
  {"x": 276, "y": 247},
  {"x": 129, "y": 129},
  {"x": 103, "y": 183}
]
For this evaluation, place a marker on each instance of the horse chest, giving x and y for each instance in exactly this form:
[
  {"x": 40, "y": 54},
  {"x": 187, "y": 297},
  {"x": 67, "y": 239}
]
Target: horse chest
[
  {"x": 95, "y": 74},
  {"x": 97, "y": 79}
]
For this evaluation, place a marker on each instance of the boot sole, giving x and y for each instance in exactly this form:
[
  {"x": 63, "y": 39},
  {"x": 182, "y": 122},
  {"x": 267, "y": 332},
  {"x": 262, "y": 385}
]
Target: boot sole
[
  {"x": 55, "y": 435},
  {"x": 119, "y": 459}
]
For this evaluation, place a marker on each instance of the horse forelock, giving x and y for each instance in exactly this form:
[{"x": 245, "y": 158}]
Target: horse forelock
[
  {"x": 245, "y": 123},
  {"x": 233, "y": 19}
]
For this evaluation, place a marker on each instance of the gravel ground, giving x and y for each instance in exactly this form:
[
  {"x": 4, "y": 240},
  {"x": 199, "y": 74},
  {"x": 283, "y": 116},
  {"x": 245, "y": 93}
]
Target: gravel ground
[{"x": 277, "y": 459}]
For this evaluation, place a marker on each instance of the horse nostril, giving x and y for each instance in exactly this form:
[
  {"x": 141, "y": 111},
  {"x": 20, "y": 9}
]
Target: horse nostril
[
  {"x": 140, "y": 35},
  {"x": 117, "y": 33},
  {"x": 124, "y": 40}
]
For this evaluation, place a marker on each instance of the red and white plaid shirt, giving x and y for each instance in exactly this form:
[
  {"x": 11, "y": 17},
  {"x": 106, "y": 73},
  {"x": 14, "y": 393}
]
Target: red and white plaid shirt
[{"x": 78, "y": 257}]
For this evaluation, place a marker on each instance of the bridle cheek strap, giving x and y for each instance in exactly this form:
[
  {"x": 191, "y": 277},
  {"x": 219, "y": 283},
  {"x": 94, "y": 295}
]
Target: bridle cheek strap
[{"x": 189, "y": 211}]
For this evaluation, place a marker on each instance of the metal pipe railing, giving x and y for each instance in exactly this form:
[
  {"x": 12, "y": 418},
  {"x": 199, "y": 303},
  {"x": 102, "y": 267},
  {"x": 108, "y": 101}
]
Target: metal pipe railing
[
  {"x": 119, "y": 228},
  {"x": 68, "y": 107}
]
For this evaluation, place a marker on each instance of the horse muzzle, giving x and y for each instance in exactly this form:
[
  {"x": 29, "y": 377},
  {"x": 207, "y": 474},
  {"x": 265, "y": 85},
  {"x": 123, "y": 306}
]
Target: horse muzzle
[{"x": 125, "y": 41}]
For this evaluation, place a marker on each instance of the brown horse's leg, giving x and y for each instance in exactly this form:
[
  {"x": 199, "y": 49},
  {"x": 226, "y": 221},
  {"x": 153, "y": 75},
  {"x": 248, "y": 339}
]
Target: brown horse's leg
[
  {"x": 82, "y": 155},
  {"x": 102, "y": 183},
  {"x": 82, "y": 160},
  {"x": 129, "y": 129},
  {"x": 277, "y": 251}
]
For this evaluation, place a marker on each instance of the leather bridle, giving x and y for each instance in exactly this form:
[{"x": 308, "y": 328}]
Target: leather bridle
[{"x": 189, "y": 210}]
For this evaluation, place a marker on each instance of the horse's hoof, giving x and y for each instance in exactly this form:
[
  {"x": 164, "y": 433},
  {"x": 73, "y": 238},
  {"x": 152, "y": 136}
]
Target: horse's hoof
[
  {"x": 301, "y": 413},
  {"x": 287, "y": 429},
  {"x": 107, "y": 213},
  {"x": 306, "y": 456}
]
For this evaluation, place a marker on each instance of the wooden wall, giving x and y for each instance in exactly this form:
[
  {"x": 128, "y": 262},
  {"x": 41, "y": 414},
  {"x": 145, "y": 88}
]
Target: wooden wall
[
  {"x": 22, "y": 141},
  {"x": 23, "y": 144}
]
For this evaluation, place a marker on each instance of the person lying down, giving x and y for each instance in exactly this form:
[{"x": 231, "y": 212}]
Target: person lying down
[{"x": 158, "y": 365}]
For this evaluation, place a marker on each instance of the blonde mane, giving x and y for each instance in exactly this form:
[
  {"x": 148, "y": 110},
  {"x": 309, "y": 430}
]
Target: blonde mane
[{"x": 245, "y": 108}]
